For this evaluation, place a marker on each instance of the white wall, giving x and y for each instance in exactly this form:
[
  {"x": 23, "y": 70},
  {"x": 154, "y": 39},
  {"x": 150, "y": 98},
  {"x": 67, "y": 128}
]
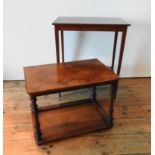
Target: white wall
[{"x": 29, "y": 36}]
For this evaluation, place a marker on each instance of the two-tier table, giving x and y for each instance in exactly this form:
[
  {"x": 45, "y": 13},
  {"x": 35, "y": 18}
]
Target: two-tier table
[{"x": 73, "y": 118}]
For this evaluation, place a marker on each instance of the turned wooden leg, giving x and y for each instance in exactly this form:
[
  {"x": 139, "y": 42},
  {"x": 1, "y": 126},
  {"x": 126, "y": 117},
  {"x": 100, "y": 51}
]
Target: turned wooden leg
[
  {"x": 113, "y": 95},
  {"x": 34, "y": 109}
]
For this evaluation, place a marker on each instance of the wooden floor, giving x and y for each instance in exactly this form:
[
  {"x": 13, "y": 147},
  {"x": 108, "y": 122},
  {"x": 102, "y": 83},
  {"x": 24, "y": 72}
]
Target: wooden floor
[{"x": 129, "y": 136}]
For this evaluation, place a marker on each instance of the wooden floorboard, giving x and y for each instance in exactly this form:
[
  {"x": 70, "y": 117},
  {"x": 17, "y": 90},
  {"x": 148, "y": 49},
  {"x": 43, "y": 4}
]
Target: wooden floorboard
[{"x": 129, "y": 136}]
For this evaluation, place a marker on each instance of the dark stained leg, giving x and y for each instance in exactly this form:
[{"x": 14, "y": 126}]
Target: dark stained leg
[
  {"x": 113, "y": 93},
  {"x": 99, "y": 106},
  {"x": 107, "y": 117},
  {"x": 121, "y": 56},
  {"x": 121, "y": 51},
  {"x": 62, "y": 48},
  {"x": 57, "y": 47},
  {"x": 57, "y": 43},
  {"x": 114, "y": 50},
  {"x": 34, "y": 109},
  {"x": 62, "y": 45}
]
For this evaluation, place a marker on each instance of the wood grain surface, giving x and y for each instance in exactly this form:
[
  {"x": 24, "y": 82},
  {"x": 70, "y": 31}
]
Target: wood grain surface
[{"x": 44, "y": 79}]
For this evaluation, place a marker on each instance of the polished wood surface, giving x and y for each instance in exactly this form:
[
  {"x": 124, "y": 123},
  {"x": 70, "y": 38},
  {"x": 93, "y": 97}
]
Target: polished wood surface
[
  {"x": 70, "y": 121},
  {"x": 90, "y": 21},
  {"x": 130, "y": 136},
  {"x": 66, "y": 76}
]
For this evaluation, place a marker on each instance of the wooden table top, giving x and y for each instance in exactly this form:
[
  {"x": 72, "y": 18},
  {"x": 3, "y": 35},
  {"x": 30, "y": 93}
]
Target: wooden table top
[
  {"x": 52, "y": 78},
  {"x": 90, "y": 21}
]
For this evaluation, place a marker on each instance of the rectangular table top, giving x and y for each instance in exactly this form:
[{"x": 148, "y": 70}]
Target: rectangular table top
[
  {"x": 90, "y": 21},
  {"x": 52, "y": 78}
]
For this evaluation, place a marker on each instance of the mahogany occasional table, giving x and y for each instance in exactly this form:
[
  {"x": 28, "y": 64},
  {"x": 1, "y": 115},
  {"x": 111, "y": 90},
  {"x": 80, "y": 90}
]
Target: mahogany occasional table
[{"x": 73, "y": 118}]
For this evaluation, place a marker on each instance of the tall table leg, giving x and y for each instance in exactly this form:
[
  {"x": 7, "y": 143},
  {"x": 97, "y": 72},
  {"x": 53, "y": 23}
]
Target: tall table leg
[
  {"x": 57, "y": 47},
  {"x": 62, "y": 45},
  {"x": 114, "y": 50},
  {"x": 62, "y": 50},
  {"x": 113, "y": 94},
  {"x": 121, "y": 56},
  {"x": 121, "y": 50},
  {"x": 57, "y": 43},
  {"x": 34, "y": 110}
]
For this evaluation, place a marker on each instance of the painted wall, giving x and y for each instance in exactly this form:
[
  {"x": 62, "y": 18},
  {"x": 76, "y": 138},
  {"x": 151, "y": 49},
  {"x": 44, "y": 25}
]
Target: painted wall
[{"x": 29, "y": 35}]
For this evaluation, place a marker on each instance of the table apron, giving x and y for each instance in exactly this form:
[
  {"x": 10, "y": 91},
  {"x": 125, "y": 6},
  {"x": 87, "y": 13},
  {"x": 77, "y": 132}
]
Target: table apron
[
  {"x": 91, "y": 28},
  {"x": 71, "y": 89}
]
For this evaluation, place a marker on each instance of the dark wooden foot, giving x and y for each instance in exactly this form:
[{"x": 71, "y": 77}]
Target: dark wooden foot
[
  {"x": 37, "y": 130},
  {"x": 109, "y": 120}
]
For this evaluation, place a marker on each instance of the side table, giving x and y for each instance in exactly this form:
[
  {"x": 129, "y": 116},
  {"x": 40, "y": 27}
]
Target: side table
[
  {"x": 73, "y": 118},
  {"x": 115, "y": 25}
]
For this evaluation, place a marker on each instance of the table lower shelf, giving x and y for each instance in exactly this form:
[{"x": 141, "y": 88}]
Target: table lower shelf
[{"x": 71, "y": 120}]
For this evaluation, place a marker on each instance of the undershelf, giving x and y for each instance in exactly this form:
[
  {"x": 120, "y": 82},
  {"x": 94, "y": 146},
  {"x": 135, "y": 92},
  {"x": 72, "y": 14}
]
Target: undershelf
[{"x": 67, "y": 121}]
